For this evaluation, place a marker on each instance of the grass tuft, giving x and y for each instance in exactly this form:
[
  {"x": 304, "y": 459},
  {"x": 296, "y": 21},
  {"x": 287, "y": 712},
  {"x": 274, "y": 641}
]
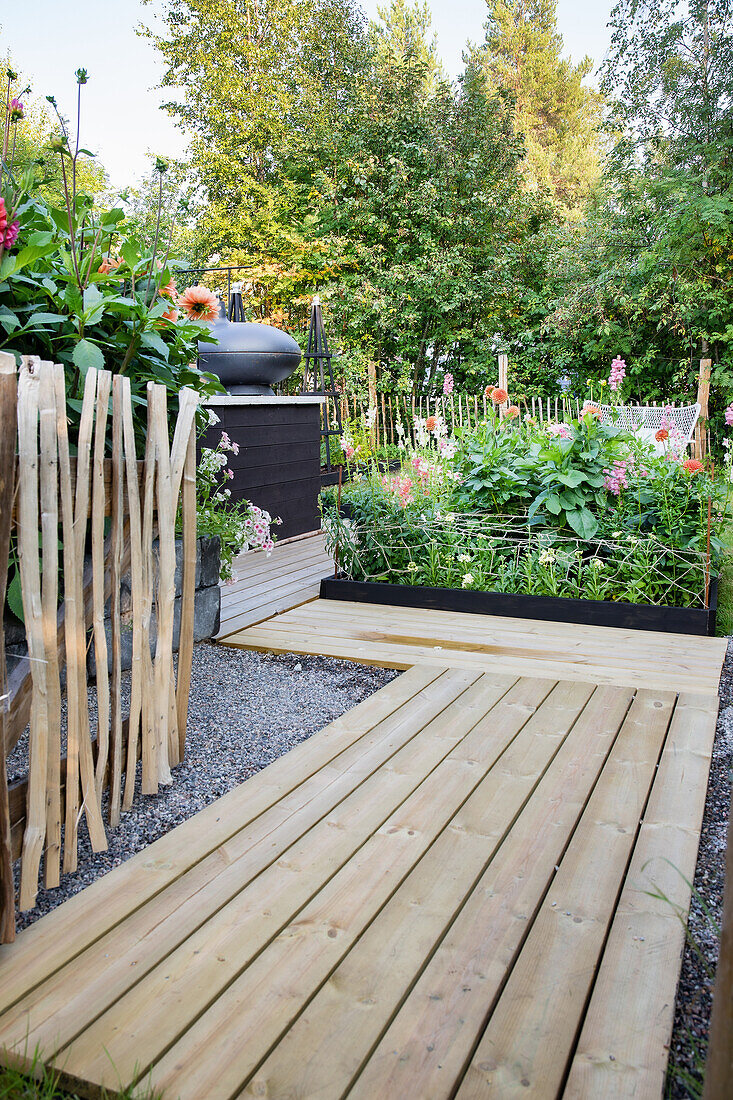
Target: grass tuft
[{"x": 42, "y": 1082}]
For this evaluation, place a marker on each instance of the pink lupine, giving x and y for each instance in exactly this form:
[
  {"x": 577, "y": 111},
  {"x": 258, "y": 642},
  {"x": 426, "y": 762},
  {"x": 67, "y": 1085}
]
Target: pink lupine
[
  {"x": 11, "y": 234},
  {"x": 729, "y": 415},
  {"x": 448, "y": 384},
  {"x": 616, "y": 478},
  {"x": 618, "y": 373}
]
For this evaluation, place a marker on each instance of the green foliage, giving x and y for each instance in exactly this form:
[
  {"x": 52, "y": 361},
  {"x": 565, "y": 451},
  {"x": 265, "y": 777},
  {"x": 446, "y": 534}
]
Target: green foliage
[
  {"x": 557, "y": 116},
  {"x": 66, "y": 298}
]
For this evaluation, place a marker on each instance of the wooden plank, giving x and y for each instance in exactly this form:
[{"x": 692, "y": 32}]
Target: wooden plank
[
  {"x": 281, "y": 567},
  {"x": 149, "y": 780},
  {"x": 584, "y": 642},
  {"x": 329, "y": 1040},
  {"x": 211, "y": 958},
  {"x": 188, "y": 590},
  {"x": 48, "y": 467},
  {"x": 480, "y": 633},
  {"x": 8, "y": 438},
  {"x": 430, "y": 1039},
  {"x": 624, "y": 1053},
  {"x": 80, "y": 761},
  {"x": 262, "y": 613},
  {"x": 278, "y": 983},
  {"x": 165, "y": 594},
  {"x": 30, "y": 572},
  {"x": 136, "y": 594},
  {"x": 277, "y": 587},
  {"x": 530, "y": 1035},
  {"x": 252, "y": 590},
  {"x": 115, "y": 562},
  {"x": 56, "y": 940},
  {"x": 279, "y": 635},
  {"x": 579, "y": 636},
  {"x": 104, "y": 386}
]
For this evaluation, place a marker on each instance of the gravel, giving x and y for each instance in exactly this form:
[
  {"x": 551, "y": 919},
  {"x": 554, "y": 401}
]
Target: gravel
[
  {"x": 246, "y": 709},
  {"x": 695, "y": 989}
]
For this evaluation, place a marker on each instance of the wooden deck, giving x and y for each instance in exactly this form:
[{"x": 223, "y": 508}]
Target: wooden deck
[
  {"x": 400, "y": 637},
  {"x": 268, "y": 586},
  {"x": 447, "y": 892}
]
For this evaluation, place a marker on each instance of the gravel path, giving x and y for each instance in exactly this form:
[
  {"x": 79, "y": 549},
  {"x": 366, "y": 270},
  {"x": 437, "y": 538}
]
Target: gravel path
[
  {"x": 695, "y": 989},
  {"x": 246, "y": 709}
]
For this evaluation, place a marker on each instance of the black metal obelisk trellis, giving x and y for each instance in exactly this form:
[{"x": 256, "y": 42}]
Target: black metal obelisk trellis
[
  {"x": 318, "y": 379},
  {"x": 236, "y": 305}
]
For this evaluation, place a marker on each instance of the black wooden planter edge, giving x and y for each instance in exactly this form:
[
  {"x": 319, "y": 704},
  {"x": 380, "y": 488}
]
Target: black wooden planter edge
[{"x": 629, "y": 616}]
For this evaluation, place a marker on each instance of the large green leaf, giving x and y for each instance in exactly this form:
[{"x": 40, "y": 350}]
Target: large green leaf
[
  {"x": 9, "y": 320},
  {"x": 14, "y": 596},
  {"x": 12, "y": 264},
  {"x": 46, "y": 319},
  {"x": 93, "y": 304},
  {"x": 156, "y": 342},
  {"x": 86, "y": 355},
  {"x": 583, "y": 522}
]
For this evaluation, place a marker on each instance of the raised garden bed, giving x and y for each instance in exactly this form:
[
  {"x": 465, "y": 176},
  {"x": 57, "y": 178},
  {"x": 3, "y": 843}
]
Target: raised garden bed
[{"x": 630, "y": 616}]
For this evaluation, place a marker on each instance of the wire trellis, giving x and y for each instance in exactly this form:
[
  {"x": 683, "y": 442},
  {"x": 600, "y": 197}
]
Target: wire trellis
[{"x": 505, "y": 554}]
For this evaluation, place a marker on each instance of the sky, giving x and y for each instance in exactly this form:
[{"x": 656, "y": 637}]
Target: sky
[{"x": 121, "y": 117}]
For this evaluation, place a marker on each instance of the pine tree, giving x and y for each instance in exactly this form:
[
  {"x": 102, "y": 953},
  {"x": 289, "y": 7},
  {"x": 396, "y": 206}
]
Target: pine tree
[{"x": 555, "y": 113}]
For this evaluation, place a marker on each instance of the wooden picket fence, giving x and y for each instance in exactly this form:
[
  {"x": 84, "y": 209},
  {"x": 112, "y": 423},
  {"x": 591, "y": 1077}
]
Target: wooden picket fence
[
  {"x": 460, "y": 410},
  {"x": 71, "y": 499},
  {"x": 463, "y": 410}
]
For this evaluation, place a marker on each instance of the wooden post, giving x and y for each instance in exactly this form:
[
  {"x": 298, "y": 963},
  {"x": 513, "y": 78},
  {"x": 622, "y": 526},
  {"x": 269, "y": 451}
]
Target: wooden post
[
  {"x": 703, "y": 395},
  {"x": 503, "y": 382},
  {"x": 8, "y": 434},
  {"x": 719, "y": 1068},
  {"x": 373, "y": 408}
]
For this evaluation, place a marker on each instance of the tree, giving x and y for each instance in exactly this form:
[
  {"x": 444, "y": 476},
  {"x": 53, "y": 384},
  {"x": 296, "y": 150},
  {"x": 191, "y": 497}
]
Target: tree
[
  {"x": 557, "y": 115},
  {"x": 258, "y": 77}
]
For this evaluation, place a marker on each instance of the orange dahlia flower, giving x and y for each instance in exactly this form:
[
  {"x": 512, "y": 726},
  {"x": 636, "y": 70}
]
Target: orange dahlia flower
[
  {"x": 661, "y": 435},
  {"x": 109, "y": 263},
  {"x": 693, "y": 465},
  {"x": 488, "y": 391},
  {"x": 499, "y": 396},
  {"x": 169, "y": 291},
  {"x": 430, "y": 423},
  {"x": 592, "y": 409},
  {"x": 199, "y": 303},
  {"x": 512, "y": 411}
]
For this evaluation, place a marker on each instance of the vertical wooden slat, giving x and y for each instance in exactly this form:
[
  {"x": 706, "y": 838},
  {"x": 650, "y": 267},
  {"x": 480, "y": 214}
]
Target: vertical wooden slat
[
  {"x": 703, "y": 396},
  {"x": 115, "y": 561},
  {"x": 8, "y": 436},
  {"x": 30, "y": 572},
  {"x": 149, "y": 782},
  {"x": 74, "y": 635},
  {"x": 49, "y": 604},
  {"x": 163, "y": 664},
  {"x": 80, "y": 764},
  {"x": 188, "y": 591},
  {"x": 136, "y": 587},
  {"x": 104, "y": 382}
]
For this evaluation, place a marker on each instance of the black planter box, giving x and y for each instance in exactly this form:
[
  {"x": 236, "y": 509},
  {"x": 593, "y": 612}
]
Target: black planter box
[
  {"x": 278, "y": 467},
  {"x": 630, "y": 616}
]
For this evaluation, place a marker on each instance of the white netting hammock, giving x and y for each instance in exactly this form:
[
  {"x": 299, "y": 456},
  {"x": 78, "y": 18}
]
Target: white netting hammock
[{"x": 646, "y": 420}]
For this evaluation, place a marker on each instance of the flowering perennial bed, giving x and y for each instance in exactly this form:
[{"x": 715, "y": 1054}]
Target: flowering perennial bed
[{"x": 581, "y": 510}]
